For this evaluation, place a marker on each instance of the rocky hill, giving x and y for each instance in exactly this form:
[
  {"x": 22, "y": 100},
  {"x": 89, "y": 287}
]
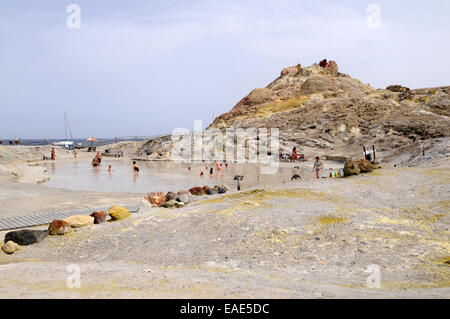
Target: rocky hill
[{"x": 322, "y": 110}]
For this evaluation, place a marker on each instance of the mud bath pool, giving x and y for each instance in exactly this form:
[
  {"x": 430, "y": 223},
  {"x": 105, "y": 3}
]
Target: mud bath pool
[{"x": 164, "y": 176}]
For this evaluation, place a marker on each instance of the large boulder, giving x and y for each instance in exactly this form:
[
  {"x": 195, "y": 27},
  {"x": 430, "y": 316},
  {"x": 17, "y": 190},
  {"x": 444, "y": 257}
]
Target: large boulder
[
  {"x": 365, "y": 166},
  {"x": 118, "y": 212},
  {"x": 58, "y": 227},
  {"x": 78, "y": 221},
  {"x": 197, "y": 191},
  {"x": 10, "y": 247},
  {"x": 351, "y": 168},
  {"x": 99, "y": 217},
  {"x": 184, "y": 196},
  {"x": 156, "y": 198},
  {"x": 26, "y": 237},
  {"x": 356, "y": 167}
]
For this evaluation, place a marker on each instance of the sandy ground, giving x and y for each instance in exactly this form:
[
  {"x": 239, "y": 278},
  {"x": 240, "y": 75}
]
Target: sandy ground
[{"x": 292, "y": 240}]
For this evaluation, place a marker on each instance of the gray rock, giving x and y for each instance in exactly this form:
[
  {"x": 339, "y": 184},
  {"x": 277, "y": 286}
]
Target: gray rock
[{"x": 26, "y": 237}]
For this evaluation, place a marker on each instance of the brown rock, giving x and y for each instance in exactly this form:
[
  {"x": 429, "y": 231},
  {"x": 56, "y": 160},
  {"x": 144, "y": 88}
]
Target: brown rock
[
  {"x": 59, "y": 227},
  {"x": 197, "y": 191},
  {"x": 156, "y": 198},
  {"x": 99, "y": 217}
]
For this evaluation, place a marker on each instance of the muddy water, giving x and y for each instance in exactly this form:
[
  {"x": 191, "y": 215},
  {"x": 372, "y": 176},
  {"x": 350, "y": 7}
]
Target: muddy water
[{"x": 163, "y": 176}]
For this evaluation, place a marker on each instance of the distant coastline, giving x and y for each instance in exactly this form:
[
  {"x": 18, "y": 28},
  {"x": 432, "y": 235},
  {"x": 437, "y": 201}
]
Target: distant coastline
[{"x": 82, "y": 141}]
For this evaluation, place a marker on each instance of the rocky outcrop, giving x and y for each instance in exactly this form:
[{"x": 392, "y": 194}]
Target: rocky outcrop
[{"x": 318, "y": 107}]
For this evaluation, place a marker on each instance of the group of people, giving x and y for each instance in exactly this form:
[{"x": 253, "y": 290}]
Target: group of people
[
  {"x": 211, "y": 170},
  {"x": 294, "y": 156}
]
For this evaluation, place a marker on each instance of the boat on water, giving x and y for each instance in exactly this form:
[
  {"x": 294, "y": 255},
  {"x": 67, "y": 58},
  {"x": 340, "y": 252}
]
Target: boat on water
[{"x": 66, "y": 143}]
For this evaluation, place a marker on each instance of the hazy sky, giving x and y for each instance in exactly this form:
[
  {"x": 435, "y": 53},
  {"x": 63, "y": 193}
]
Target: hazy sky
[{"x": 147, "y": 67}]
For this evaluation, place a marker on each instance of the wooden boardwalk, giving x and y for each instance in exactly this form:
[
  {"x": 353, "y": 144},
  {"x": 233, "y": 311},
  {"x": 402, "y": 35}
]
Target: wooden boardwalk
[{"x": 46, "y": 218}]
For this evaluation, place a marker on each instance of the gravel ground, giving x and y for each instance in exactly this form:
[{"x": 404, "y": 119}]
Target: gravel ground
[{"x": 302, "y": 239}]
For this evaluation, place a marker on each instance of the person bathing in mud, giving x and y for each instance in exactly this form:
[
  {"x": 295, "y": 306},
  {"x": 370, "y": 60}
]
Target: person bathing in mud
[
  {"x": 99, "y": 157},
  {"x": 317, "y": 166},
  {"x": 52, "y": 155},
  {"x": 135, "y": 167},
  {"x": 95, "y": 162}
]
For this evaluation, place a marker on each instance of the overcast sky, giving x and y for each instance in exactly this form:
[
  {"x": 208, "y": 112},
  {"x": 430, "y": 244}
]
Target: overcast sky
[{"x": 148, "y": 67}]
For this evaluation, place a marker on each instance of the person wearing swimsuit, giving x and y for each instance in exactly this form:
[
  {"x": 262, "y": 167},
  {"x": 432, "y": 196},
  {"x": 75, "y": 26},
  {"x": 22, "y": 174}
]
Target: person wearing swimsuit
[
  {"x": 135, "y": 168},
  {"x": 317, "y": 166}
]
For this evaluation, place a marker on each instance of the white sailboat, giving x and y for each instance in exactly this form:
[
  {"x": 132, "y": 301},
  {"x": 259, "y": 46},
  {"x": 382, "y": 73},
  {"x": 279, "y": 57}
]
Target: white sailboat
[{"x": 66, "y": 143}]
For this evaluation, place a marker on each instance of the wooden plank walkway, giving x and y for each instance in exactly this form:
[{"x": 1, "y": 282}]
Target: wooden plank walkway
[{"x": 16, "y": 222}]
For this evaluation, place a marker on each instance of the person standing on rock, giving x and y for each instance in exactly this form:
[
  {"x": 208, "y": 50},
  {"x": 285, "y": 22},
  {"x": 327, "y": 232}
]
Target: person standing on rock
[
  {"x": 317, "y": 166},
  {"x": 53, "y": 156}
]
